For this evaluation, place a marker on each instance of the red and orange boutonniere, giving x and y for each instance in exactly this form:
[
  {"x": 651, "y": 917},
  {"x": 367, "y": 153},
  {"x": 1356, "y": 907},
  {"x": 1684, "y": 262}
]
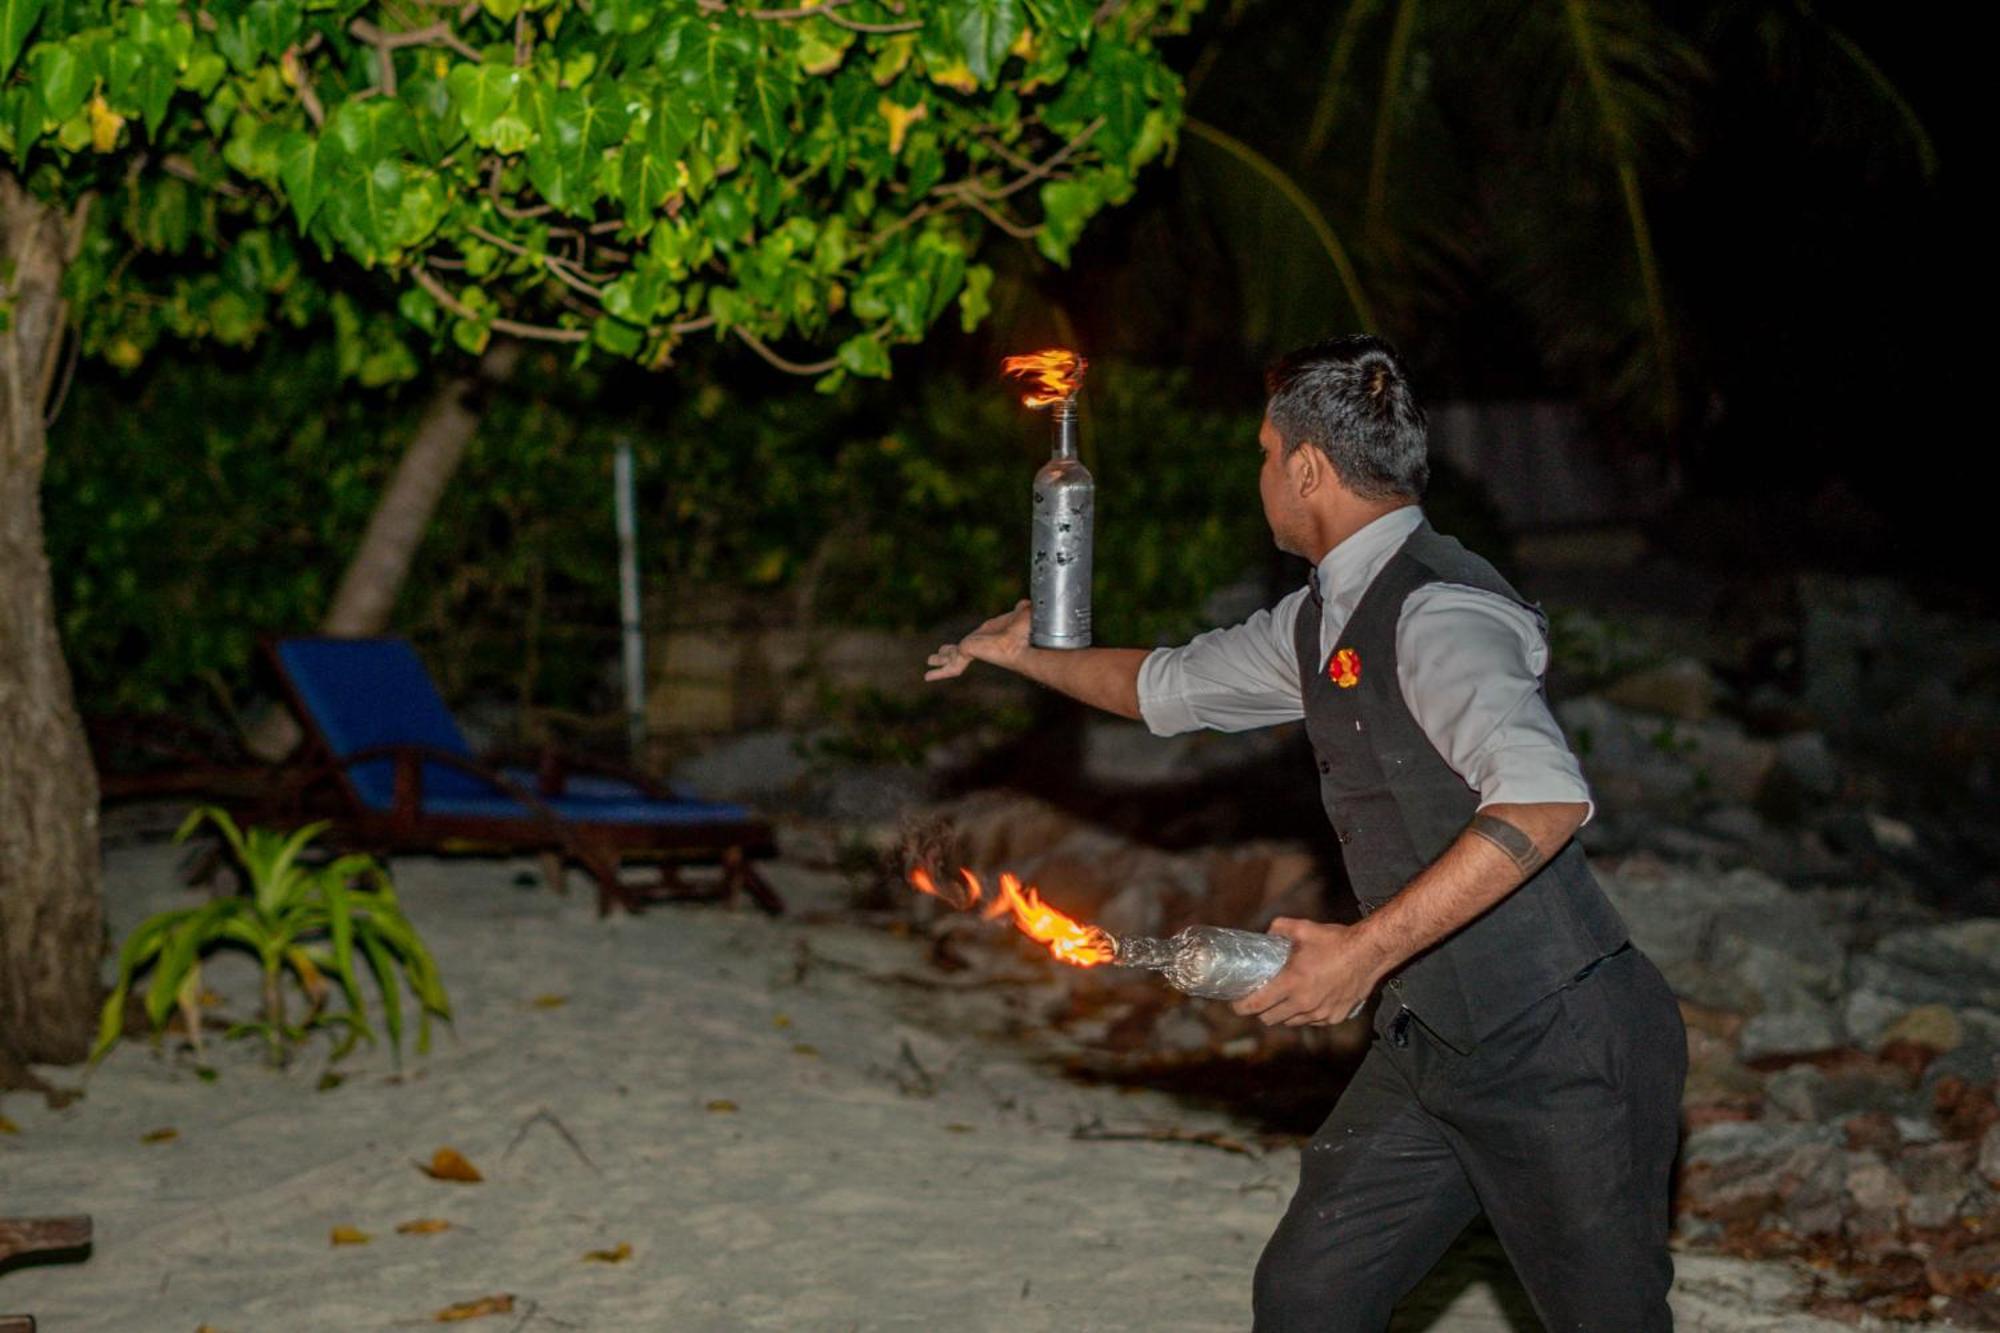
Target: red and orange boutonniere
[{"x": 1344, "y": 669}]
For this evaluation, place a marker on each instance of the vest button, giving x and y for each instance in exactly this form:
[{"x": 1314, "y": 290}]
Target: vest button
[
  {"x": 1325, "y": 767},
  {"x": 1343, "y": 835}
]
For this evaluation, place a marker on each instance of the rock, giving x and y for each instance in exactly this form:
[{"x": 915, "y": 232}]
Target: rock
[
  {"x": 1739, "y": 941},
  {"x": 1794, "y": 1092},
  {"x": 1683, "y": 688},
  {"x": 1956, "y": 964},
  {"x": 1738, "y": 1139},
  {"x": 1915, "y": 1129},
  {"x": 1806, "y": 761},
  {"x": 1988, "y": 1163},
  {"x": 1867, "y": 1014},
  {"x": 1892, "y": 835},
  {"x": 1872, "y": 1186},
  {"x": 1715, "y": 1078},
  {"x": 1738, "y": 823},
  {"x": 1815, "y": 1205},
  {"x": 1727, "y": 764},
  {"x": 1931, "y": 1025},
  {"x": 1789, "y": 1032},
  {"x": 1625, "y": 756}
]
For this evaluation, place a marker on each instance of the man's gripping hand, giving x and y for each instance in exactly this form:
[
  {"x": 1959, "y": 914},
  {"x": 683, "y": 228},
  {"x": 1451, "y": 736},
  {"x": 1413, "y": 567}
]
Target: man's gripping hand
[
  {"x": 1000, "y": 641},
  {"x": 1329, "y": 977}
]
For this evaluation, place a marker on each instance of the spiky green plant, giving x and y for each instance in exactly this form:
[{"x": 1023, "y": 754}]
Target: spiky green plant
[{"x": 302, "y": 922}]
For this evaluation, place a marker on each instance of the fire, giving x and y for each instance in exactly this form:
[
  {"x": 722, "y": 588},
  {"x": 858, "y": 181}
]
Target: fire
[
  {"x": 1052, "y": 375},
  {"x": 1068, "y": 939}
]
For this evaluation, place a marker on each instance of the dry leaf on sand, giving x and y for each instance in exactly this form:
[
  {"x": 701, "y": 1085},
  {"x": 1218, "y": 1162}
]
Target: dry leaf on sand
[
  {"x": 450, "y": 1164},
  {"x": 617, "y": 1254},
  {"x": 422, "y": 1226},
  {"x": 349, "y": 1236},
  {"x": 8, "y": 1127},
  {"x": 722, "y": 1106},
  {"x": 550, "y": 1001},
  {"x": 160, "y": 1136},
  {"x": 485, "y": 1305}
]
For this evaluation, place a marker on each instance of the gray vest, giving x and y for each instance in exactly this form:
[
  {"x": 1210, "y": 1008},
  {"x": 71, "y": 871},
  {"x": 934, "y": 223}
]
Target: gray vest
[{"x": 1396, "y": 806}]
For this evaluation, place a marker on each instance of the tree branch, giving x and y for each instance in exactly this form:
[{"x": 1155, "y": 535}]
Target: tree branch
[
  {"x": 307, "y": 97},
  {"x": 1018, "y": 230},
  {"x": 1054, "y": 160},
  {"x": 757, "y": 345},
  {"x": 541, "y": 332},
  {"x": 554, "y": 263},
  {"x": 821, "y": 11}
]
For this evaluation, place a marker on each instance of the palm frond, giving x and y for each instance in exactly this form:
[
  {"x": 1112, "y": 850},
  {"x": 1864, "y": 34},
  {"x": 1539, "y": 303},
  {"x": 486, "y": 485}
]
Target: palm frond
[
  {"x": 1393, "y": 74},
  {"x": 1287, "y": 189},
  {"x": 1333, "y": 88},
  {"x": 1881, "y": 85}
]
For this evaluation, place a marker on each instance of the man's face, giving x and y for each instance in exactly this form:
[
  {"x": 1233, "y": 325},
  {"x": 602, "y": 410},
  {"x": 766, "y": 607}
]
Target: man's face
[{"x": 1278, "y": 488}]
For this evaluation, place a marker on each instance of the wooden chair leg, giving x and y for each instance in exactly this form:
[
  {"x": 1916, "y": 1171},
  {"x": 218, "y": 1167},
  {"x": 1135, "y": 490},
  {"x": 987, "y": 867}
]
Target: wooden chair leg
[
  {"x": 17, "y": 1323},
  {"x": 743, "y": 877},
  {"x": 555, "y": 874}
]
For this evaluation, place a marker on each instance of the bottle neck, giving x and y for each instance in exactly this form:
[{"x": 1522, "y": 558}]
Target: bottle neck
[
  {"x": 1063, "y": 444},
  {"x": 1144, "y": 951}
]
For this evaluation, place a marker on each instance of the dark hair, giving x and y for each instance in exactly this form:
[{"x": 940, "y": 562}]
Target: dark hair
[{"x": 1349, "y": 397}]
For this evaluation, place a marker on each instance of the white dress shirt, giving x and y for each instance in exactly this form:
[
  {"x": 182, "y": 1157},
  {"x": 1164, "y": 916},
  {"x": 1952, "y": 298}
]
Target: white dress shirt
[{"x": 1469, "y": 663}]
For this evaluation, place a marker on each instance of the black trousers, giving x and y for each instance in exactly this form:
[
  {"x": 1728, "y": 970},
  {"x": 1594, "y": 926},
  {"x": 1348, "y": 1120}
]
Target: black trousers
[{"x": 1561, "y": 1127}]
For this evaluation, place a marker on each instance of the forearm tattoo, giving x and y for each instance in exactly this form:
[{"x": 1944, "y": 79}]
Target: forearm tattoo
[{"x": 1520, "y": 848}]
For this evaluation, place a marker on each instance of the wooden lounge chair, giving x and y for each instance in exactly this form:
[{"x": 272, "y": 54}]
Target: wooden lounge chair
[
  {"x": 381, "y": 737},
  {"x": 37, "y": 1235}
]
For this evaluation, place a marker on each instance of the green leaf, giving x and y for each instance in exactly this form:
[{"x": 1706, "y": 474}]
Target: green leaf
[
  {"x": 864, "y": 355},
  {"x": 771, "y": 95},
  {"x": 1066, "y": 206},
  {"x": 61, "y": 78},
  {"x": 727, "y": 215},
  {"x": 17, "y": 20},
  {"x": 707, "y": 57},
  {"x": 573, "y": 127},
  {"x": 364, "y": 213},
  {"x": 985, "y": 29},
  {"x": 304, "y": 165},
  {"x": 388, "y": 980},
  {"x": 615, "y": 336},
  {"x": 484, "y": 95},
  {"x": 973, "y": 303}
]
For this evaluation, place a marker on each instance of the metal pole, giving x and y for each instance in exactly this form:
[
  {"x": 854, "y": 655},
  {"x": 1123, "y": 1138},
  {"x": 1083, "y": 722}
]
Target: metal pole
[{"x": 634, "y": 633}]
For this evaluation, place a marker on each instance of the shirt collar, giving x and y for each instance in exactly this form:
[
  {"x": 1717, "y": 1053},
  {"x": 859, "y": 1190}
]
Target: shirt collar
[{"x": 1345, "y": 571}]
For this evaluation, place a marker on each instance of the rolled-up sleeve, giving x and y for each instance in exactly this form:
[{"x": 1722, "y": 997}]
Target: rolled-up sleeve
[
  {"x": 1470, "y": 664},
  {"x": 1231, "y": 679}
]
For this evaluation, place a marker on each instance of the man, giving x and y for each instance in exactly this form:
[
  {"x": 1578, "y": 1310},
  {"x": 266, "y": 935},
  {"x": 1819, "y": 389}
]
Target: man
[{"x": 1527, "y": 1062}]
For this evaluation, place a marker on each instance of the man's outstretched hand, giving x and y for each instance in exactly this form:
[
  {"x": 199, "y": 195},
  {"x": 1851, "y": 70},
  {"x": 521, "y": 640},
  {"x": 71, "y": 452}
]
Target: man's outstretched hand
[
  {"x": 1000, "y": 640},
  {"x": 1330, "y": 975}
]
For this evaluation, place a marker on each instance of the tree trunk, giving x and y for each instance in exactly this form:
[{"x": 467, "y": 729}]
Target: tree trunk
[
  {"x": 375, "y": 575},
  {"x": 51, "y": 905}
]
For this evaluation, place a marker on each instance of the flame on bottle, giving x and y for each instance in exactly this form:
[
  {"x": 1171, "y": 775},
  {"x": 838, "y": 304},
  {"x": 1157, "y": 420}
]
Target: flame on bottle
[
  {"x": 1068, "y": 939},
  {"x": 1052, "y": 375}
]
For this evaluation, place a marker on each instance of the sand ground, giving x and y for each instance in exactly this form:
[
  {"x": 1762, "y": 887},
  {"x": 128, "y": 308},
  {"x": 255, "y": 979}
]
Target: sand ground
[{"x": 786, "y": 1131}]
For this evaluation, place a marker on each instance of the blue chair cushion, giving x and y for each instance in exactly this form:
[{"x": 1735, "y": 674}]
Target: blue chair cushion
[
  {"x": 589, "y": 810},
  {"x": 367, "y": 692}
]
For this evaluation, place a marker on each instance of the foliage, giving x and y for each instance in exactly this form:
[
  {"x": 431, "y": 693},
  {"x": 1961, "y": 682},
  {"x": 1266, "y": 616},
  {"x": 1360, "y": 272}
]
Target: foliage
[
  {"x": 198, "y": 503},
  {"x": 209, "y": 503},
  {"x": 299, "y": 920},
  {"x": 604, "y": 175},
  {"x": 1499, "y": 187}
]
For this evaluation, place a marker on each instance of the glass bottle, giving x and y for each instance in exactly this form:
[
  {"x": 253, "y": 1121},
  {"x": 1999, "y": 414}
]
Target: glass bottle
[{"x": 1213, "y": 962}]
